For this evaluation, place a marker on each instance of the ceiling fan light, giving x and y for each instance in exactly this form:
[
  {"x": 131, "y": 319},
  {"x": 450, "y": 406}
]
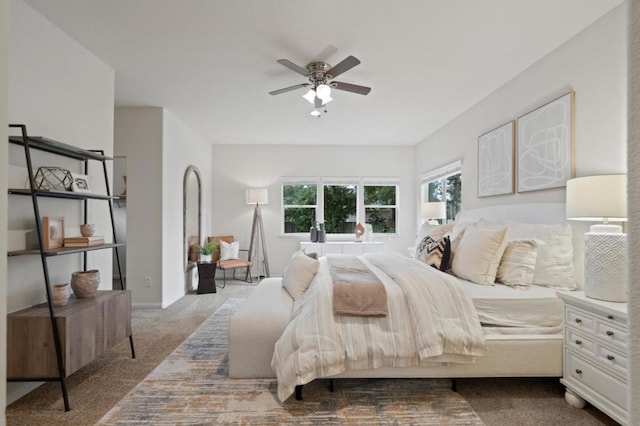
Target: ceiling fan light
[
  {"x": 315, "y": 113},
  {"x": 324, "y": 92},
  {"x": 310, "y": 96},
  {"x": 326, "y": 100}
]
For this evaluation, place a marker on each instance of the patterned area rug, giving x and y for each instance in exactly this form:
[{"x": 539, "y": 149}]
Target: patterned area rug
[{"x": 191, "y": 387}]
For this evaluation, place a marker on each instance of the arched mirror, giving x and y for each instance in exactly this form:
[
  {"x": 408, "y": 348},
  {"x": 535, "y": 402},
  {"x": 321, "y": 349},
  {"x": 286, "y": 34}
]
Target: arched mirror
[{"x": 191, "y": 216}]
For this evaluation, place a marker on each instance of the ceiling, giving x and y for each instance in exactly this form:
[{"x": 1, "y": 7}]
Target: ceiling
[{"x": 213, "y": 62}]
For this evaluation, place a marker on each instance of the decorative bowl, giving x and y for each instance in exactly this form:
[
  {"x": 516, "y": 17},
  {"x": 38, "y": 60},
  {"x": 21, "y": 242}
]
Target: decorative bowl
[
  {"x": 60, "y": 294},
  {"x": 85, "y": 283},
  {"x": 87, "y": 229}
]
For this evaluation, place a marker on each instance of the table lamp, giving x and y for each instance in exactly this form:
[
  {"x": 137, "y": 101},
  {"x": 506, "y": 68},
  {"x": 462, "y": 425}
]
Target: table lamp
[
  {"x": 433, "y": 211},
  {"x": 602, "y": 198}
]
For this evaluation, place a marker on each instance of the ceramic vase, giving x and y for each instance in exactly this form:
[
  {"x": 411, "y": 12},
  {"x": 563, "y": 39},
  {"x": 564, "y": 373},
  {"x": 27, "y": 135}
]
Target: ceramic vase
[
  {"x": 87, "y": 229},
  {"x": 322, "y": 235},
  {"x": 85, "y": 283},
  {"x": 313, "y": 232},
  {"x": 206, "y": 258},
  {"x": 60, "y": 294}
]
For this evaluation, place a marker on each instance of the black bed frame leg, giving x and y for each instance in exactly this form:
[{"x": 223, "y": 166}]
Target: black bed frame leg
[
  {"x": 331, "y": 385},
  {"x": 299, "y": 393},
  {"x": 454, "y": 385}
]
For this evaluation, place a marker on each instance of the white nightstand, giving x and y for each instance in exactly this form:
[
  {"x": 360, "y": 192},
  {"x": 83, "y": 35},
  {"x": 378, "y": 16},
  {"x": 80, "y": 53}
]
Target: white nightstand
[{"x": 595, "y": 354}]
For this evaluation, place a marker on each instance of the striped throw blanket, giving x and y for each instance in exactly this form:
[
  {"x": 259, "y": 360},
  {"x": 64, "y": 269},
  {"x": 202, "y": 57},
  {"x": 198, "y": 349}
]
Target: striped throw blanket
[{"x": 430, "y": 320}]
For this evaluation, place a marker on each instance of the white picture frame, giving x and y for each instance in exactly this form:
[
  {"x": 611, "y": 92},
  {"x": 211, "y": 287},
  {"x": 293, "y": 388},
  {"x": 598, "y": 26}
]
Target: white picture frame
[
  {"x": 545, "y": 145},
  {"x": 495, "y": 161},
  {"x": 81, "y": 183}
]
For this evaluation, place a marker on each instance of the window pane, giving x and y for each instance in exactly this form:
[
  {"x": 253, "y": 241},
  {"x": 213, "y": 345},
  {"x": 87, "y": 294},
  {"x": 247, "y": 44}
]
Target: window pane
[
  {"x": 435, "y": 190},
  {"x": 380, "y": 195},
  {"x": 454, "y": 195},
  {"x": 298, "y": 219},
  {"x": 340, "y": 208},
  {"x": 383, "y": 220},
  {"x": 299, "y": 195}
]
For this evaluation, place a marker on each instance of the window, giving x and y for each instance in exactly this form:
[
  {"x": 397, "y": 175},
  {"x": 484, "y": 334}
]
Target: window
[
  {"x": 299, "y": 206},
  {"x": 340, "y": 204},
  {"x": 444, "y": 184},
  {"x": 380, "y": 207}
]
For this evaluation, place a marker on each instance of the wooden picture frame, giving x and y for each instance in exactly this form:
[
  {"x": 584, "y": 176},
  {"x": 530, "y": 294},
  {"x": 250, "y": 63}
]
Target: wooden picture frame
[
  {"x": 545, "y": 145},
  {"x": 81, "y": 183},
  {"x": 53, "y": 232},
  {"x": 495, "y": 161}
]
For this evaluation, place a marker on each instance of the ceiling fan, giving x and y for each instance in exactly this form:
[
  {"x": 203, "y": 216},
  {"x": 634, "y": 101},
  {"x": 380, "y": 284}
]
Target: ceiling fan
[{"x": 320, "y": 75}]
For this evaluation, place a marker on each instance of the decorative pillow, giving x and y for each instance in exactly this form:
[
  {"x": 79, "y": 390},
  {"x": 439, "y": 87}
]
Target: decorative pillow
[
  {"x": 436, "y": 232},
  {"x": 436, "y": 253},
  {"x": 229, "y": 251},
  {"x": 299, "y": 273},
  {"x": 554, "y": 264},
  {"x": 518, "y": 263},
  {"x": 478, "y": 255}
]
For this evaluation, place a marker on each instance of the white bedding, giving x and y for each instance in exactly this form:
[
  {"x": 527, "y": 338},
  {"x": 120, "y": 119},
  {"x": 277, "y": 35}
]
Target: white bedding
[{"x": 534, "y": 308}]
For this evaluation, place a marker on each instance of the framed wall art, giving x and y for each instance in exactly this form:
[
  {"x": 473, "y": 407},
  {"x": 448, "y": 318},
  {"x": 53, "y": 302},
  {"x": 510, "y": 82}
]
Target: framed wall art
[
  {"x": 80, "y": 183},
  {"x": 53, "y": 232},
  {"x": 495, "y": 161},
  {"x": 545, "y": 145}
]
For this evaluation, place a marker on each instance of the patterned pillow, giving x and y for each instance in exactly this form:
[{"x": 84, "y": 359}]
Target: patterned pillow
[{"x": 435, "y": 253}]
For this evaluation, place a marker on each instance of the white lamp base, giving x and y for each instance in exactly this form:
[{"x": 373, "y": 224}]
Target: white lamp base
[{"x": 605, "y": 259}]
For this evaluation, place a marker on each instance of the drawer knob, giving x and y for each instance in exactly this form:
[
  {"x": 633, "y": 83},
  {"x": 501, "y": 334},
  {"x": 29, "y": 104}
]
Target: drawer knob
[
  {"x": 610, "y": 317},
  {"x": 609, "y": 333},
  {"x": 578, "y": 320},
  {"x": 578, "y": 342},
  {"x": 611, "y": 357},
  {"x": 578, "y": 371}
]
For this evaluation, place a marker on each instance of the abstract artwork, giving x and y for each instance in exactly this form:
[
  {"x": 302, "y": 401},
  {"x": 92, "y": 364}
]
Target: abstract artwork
[
  {"x": 545, "y": 145},
  {"x": 495, "y": 161}
]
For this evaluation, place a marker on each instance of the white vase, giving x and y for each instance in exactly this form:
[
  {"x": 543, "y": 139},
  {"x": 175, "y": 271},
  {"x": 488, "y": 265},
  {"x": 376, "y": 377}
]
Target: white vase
[{"x": 205, "y": 258}]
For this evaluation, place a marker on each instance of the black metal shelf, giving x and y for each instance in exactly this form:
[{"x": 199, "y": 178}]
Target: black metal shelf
[
  {"x": 55, "y": 147},
  {"x": 64, "y": 250},
  {"x": 63, "y": 194}
]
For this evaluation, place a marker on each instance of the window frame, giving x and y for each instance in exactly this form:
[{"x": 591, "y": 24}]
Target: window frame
[
  {"x": 321, "y": 182},
  {"x": 441, "y": 174}
]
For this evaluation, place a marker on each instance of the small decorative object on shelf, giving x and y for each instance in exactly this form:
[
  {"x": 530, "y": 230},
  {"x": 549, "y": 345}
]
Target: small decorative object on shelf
[
  {"x": 368, "y": 232},
  {"x": 206, "y": 251},
  {"x": 322, "y": 235},
  {"x": 85, "y": 283},
  {"x": 95, "y": 240},
  {"x": 80, "y": 183},
  {"x": 53, "y": 232},
  {"x": 60, "y": 294},
  {"x": 313, "y": 232},
  {"x": 359, "y": 232},
  {"x": 53, "y": 179},
  {"x": 87, "y": 229}
]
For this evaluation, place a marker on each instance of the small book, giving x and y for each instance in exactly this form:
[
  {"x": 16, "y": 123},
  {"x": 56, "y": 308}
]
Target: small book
[
  {"x": 84, "y": 239},
  {"x": 83, "y": 243}
]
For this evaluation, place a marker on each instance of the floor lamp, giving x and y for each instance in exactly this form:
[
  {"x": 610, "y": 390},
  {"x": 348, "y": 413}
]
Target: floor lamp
[{"x": 258, "y": 196}]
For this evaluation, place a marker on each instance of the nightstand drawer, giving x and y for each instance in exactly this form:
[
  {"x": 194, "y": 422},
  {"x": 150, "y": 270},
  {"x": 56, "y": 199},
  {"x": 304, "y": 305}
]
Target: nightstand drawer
[
  {"x": 607, "y": 386},
  {"x": 580, "y": 320},
  {"x": 612, "y": 360},
  {"x": 613, "y": 335},
  {"x": 579, "y": 343}
]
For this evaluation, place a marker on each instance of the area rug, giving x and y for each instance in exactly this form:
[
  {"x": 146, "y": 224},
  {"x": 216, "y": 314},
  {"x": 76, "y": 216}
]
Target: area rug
[{"x": 191, "y": 387}]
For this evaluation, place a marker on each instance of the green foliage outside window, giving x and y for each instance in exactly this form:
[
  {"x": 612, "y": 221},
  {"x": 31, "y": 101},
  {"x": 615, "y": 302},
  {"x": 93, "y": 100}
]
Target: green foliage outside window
[
  {"x": 297, "y": 218},
  {"x": 339, "y": 205}
]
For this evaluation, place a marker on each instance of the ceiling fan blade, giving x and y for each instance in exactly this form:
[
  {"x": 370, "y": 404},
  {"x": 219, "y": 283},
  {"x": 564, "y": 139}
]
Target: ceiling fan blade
[
  {"x": 346, "y": 64},
  {"x": 354, "y": 88},
  {"x": 297, "y": 68},
  {"x": 288, "y": 89}
]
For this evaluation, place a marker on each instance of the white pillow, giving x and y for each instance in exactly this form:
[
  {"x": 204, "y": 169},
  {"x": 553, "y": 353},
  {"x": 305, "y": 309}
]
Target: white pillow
[
  {"x": 299, "y": 273},
  {"x": 229, "y": 251},
  {"x": 478, "y": 255},
  {"x": 554, "y": 264},
  {"x": 518, "y": 264}
]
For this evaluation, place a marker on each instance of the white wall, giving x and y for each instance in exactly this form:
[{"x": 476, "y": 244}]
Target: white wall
[
  {"x": 181, "y": 148},
  {"x": 238, "y": 167},
  {"x": 159, "y": 148},
  {"x": 62, "y": 91},
  {"x": 593, "y": 64},
  {"x": 4, "y": 95},
  {"x": 138, "y": 136},
  {"x": 633, "y": 145}
]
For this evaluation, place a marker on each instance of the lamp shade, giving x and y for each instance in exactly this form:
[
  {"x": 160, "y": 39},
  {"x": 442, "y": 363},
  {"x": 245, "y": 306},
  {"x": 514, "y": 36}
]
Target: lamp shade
[
  {"x": 257, "y": 196},
  {"x": 434, "y": 210},
  {"x": 597, "y": 198}
]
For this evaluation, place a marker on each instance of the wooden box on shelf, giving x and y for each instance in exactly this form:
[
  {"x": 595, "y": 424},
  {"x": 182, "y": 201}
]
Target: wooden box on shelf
[{"x": 88, "y": 328}]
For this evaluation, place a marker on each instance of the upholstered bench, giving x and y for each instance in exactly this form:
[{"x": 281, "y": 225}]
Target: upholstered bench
[{"x": 255, "y": 327}]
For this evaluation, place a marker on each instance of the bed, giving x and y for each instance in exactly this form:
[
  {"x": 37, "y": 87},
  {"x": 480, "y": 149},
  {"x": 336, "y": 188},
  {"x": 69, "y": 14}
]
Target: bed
[{"x": 521, "y": 329}]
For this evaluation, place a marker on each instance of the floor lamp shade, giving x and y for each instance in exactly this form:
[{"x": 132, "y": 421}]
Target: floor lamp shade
[
  {"x": 602, "y": 198},
  {"x": 257, "y": 196}
]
